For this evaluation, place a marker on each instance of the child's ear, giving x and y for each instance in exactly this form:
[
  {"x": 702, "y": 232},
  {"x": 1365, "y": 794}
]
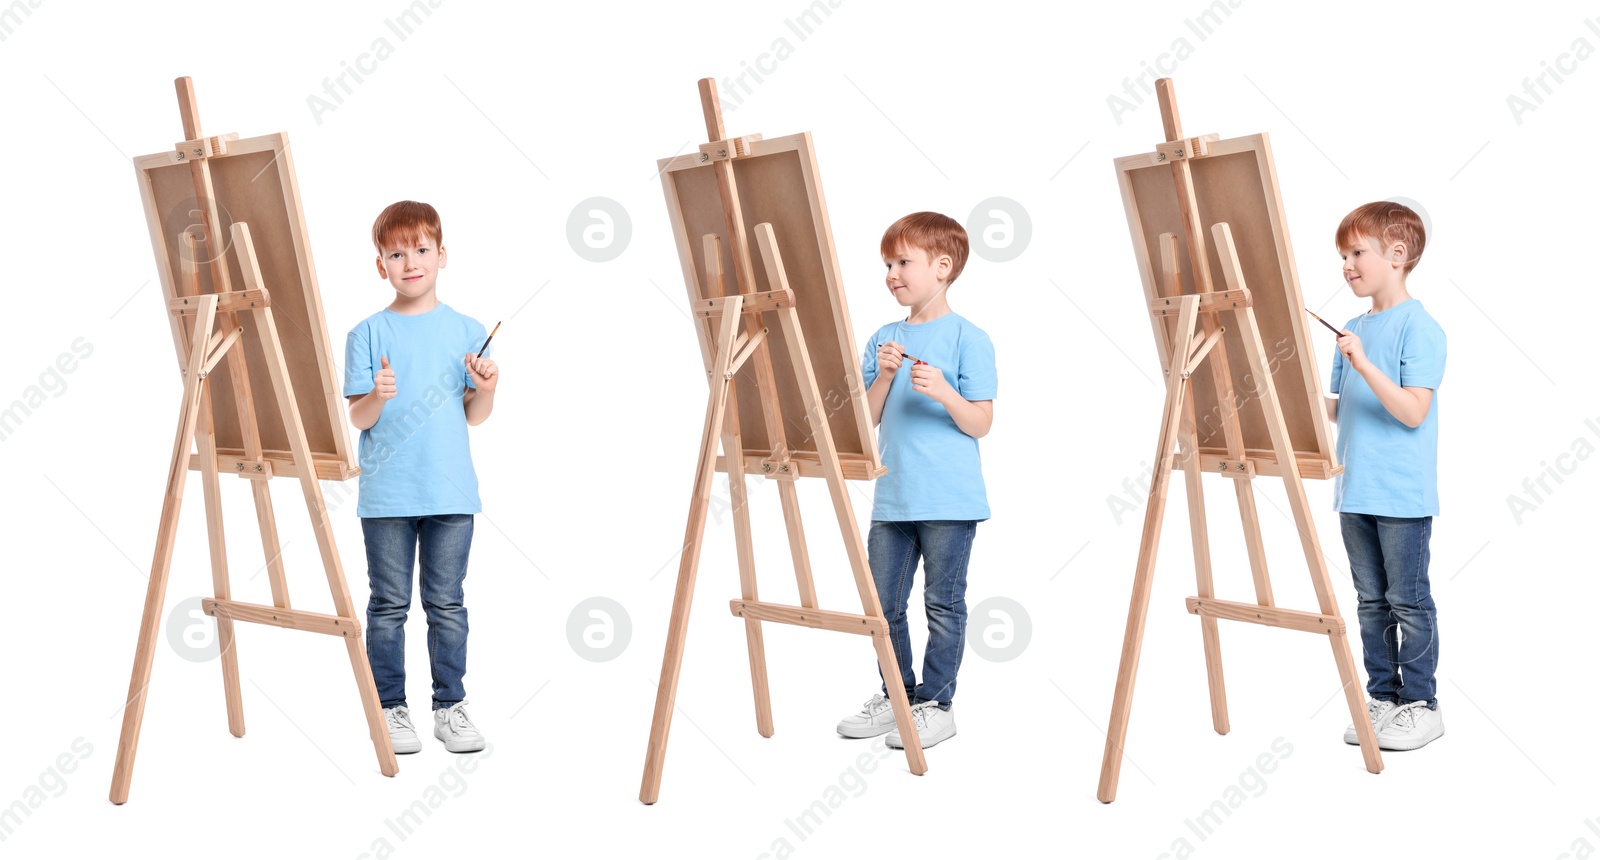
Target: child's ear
[
  {"x": 442, "y": 256},
  {"x": 942, "y": 267},
  {"x": 1397, "y": 254},
  {"x": 382, "y": 272}
]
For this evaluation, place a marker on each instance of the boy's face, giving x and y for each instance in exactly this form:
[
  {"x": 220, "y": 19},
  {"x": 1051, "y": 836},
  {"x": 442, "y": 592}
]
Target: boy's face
[
  {"x": 914, "y": 278},
  {"x": 411, "y": 264},
  {"x": 1371, "y": 268}
]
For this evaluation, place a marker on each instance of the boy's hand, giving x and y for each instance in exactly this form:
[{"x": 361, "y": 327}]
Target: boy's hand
[
  {"x": 483, "y": 371},
  {"x": 1350, "y": 345},
  {"x": 383, "y": 380},
  {"x": 929, "y": 380},
  {"x": 889, "y": 357}
]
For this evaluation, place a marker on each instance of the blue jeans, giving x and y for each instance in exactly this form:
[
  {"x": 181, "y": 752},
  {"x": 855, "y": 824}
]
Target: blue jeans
[
  {"x": 944, "y": 547},
  {"x": 392, "y": 544},
  {"x": 1399, "y": 625}
]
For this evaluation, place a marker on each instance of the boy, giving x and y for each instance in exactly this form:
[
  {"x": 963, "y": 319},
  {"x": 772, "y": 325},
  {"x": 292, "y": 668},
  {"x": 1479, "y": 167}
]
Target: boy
[
  {"x": 417, "y": 482},
  {"x": 1389, "y": 363},
  {"x": 931, "y": 386}
]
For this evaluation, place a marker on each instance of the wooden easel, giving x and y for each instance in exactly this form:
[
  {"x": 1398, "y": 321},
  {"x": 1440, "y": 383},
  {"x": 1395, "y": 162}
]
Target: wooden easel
[
  {"x": 1182, "y": 358},
  {"x": 216, "y": 333},
  {"x": 741, "y": 337}
]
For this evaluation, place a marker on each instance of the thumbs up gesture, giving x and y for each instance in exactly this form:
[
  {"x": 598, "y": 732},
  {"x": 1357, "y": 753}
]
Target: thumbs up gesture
[{"x": 383, "y": 380}]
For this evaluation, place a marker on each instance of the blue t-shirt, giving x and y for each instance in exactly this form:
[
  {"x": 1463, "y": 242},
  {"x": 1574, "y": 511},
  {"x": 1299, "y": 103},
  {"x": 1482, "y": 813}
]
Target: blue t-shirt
[
  {"x": 1390, "y": 470},
  {"x": 415, "y": 461},
  {"x": 934, "y": 470}
]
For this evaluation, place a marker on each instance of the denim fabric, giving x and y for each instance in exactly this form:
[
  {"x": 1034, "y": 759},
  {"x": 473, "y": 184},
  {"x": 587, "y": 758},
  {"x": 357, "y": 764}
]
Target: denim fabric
[
  {"x": 944, "y": 546},
  {"x": 1399, "y": 624},
  {"x": 392, "y": 542}
]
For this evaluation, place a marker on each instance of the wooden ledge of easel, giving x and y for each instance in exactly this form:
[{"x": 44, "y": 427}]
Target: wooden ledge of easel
[
  {"x": 820, "y": 619},
  {"x": 805, "y": 464},
  {"x": 1226, "y": 300},
  {"x": 232, "y": 301},
  {"x": 1261, "y": 462},
  {"x": 771, "y": 300},
  {"x": 205, "y": 147},
  {"x": 727, "y": 150},
  {"x": 255, "y": 470},
  {"x": 1189, "y": 147},
  {"x": 1243, "y": 470},
  {"x": 279, "y": 464},
  {"x": 1270, "y": 616},
  {"x": 293, "y": 619}
]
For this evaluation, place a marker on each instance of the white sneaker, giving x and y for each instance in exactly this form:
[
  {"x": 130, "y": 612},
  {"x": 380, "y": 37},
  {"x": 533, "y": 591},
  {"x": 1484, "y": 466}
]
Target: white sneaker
[
  {"x": 1411, "y": 727},
  {"x": 933, "y": 725},
  {"x": 1376, "y": 709},
  {"x": 455, "y": 728},
  {"x": 875, "y": 718},
  {"x": 402, "y": 734}
]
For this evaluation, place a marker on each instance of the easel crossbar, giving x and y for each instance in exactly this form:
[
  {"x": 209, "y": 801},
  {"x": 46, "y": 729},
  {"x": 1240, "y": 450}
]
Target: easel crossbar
[
  {"x": 1210, "y": 302},
  {"x": 231, "y": 301},
  {"x": 1269, "y": 616},
  {"x": 818, "y": 619},
  {"x": 292, "y": 619},
  {"x": 771, "y": 300}
]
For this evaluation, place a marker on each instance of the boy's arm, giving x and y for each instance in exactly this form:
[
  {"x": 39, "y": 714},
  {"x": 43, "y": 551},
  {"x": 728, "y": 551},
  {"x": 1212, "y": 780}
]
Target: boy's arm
[
  {"x": 1332, "y": 405},
  {"x": 973, "y": 417},
  {"x": 365, "y": 409},
  {"x": 877, "y": 394},
  {"x": 1409, "y": 404},
  {"x": 365, "y": 390},
  {"x": 478, "y": 399},
  {"x": 880, "y": 365},
  {"x": 976, "y": 377}
]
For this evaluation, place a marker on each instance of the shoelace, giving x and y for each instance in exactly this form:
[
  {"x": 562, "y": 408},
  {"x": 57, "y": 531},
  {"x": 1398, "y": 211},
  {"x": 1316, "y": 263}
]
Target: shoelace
[
  {"x": 458, "y": 717},
  {"x": 399, "y": 719},
  {"x": 1405, "y": 718},
  {"x": 1376, "y": 709},
  {"x": 875, "y": 705},
  {"x": 919, "y": 714}
]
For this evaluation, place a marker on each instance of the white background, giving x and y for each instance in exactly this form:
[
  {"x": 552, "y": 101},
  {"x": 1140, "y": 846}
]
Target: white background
[{"x": 505, "y": 118}]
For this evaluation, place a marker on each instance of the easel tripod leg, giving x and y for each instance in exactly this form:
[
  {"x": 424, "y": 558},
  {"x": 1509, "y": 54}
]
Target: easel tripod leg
[
  {"x": 1144, "y": 574},
  {"x": 1300, "y": 507},
  {"x": 739, "y": 497},
  {"x": 205, "y": 445},
  {"x": 161, "y": 564},
  {"x": 689, "y": 563},
  {"x": 1209, "y": 634},
  {"x": 855, "y": 548},
  {"x": 355, "y": 648}
]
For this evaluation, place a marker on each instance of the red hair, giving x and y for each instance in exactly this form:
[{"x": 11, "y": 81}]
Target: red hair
[
  {"x": 938, "y": 235},
  {"x": 1387, "y": 222},
  {"x": 406, "y": 222}
]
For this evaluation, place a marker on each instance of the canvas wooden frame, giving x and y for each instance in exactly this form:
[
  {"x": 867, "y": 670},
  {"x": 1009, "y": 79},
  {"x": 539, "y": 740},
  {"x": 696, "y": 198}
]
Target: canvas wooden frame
[
  {"x": 1235, "y": 183},
  {"x": 254, "y": 183}
]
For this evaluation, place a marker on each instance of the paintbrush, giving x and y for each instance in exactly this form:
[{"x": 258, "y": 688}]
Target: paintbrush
[
  {"x": 1324, "y": 322},
  {"x": 486, "y": 340}
]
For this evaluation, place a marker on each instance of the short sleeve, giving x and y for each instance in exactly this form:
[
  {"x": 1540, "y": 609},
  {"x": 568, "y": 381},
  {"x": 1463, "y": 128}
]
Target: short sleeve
[
  {"x": 1336, "y": 378},
  {"x": 357, "y": 362},
  {"x": 976, "y": 378},
  {"x": 869, "y": 362},
  {"x": 1422, "y": 356}
]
